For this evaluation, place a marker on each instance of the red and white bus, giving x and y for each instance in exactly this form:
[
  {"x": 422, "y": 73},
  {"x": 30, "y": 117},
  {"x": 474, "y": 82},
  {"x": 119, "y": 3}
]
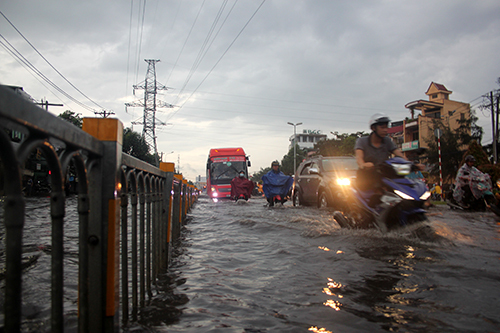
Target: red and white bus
[{"x": 222, "y": 166}]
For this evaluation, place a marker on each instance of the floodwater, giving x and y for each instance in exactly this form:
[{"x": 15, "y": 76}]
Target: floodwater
[{"x": 250, "y": 268}]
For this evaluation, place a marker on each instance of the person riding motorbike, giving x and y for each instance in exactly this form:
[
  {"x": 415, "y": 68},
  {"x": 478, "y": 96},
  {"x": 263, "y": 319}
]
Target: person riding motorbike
[
  {"x": 470, "y": 183},
  {"x": 241, "y": 187},
  {"x": 276, "y": 184},
  {"x": 372, "y": 150}
]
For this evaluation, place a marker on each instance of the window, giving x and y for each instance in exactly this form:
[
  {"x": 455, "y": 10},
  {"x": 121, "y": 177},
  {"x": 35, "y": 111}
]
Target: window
[
  {"x": 434, "y": 96},
  {"x": 436, "y": 115},
  {"x": 340, "y": 164},
  {"x": 305, "y": 170},
  {"x": 315, "y": 166},
  {"x": 415, "y": 136}
]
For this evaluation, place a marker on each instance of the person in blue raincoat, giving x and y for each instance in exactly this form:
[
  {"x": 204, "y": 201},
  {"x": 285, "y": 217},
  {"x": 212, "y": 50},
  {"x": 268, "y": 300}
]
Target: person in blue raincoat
[{"x": 276, "y": 184}]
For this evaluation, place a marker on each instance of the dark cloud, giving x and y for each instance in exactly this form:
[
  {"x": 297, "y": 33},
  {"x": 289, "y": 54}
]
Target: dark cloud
[{"x": 328, "y": 64}]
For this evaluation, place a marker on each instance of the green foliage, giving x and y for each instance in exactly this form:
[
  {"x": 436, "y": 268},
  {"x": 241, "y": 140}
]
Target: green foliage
[
  {"x": 287, "y": 161},
  {"x": 72, "y": 117},
  {"x": 451, "y": 144},
  {"x": 135, "y": 145},
  {"x": 340, "y": 145},
  {"x": 477, "y": 151},
  {"x": 482, "y": 162},
  {"x": 491, "y": 169},
  {"x": 257, "y": 177}
]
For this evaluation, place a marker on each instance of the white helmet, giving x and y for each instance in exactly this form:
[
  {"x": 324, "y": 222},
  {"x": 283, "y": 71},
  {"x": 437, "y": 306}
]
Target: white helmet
[{"x": 378, "y": 119}]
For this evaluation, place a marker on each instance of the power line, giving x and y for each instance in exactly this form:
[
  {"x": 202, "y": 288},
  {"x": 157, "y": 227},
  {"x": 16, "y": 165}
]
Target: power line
[
  {"x": 202, "y": 51},
  {"x": 185, "y": 42},
  {"x": 218, "y": 61},
  {"x": 129, "y": 44},
  {"x": 140, "y": 38},
  {"x": 34, "y": 48},
  {"x": 17, "y": 55}
]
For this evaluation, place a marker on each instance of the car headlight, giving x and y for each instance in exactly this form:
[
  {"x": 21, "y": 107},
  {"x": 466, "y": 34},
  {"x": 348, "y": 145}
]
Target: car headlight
[
  {"x": 425, "y": 196},
  {"x": 343, "y": 181},
  {"x": 402, "y": 169},
  {"x": 403, "y": 195}
]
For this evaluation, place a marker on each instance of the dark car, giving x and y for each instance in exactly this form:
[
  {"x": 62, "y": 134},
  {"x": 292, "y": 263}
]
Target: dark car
[{"x": 320, "y": 180}]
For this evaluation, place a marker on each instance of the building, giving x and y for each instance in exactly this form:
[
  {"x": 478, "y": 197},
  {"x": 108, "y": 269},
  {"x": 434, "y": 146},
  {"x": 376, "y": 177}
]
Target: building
[
  {"x": 307, "y": 139},
  {"x": 201, "y": 182},
  {"x": 396, "y": 132},
  {"x": 418, "y": 129}
]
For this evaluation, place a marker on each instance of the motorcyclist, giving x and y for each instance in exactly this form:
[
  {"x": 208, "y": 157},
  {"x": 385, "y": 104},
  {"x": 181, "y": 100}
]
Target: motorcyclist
[
  {"x": 372, "y": 150},
  {"x": 241, "y": 186},
  {"x": 276, "y": 184},
  {"x": 465, "y": 191}
]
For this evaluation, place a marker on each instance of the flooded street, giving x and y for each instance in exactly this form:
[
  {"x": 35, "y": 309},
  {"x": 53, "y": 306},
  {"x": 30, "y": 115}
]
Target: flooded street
[{"x": 251, "y": 268}]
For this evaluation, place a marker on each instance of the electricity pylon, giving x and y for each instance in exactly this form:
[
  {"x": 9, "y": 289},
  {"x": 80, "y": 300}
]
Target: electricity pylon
[{"x": 150, "y": 103}]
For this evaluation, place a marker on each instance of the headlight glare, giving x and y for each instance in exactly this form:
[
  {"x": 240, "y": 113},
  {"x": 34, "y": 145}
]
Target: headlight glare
[
  {"x": 425, "y": 196},
  {"x": 343, "y": 181},
  {"x": 403, "y": 195}
]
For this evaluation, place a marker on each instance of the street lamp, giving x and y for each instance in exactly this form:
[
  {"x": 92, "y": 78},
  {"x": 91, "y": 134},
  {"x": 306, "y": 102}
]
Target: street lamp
[
  {"x": 165, "y": 154},
  {"x": 294, "y": 148}
]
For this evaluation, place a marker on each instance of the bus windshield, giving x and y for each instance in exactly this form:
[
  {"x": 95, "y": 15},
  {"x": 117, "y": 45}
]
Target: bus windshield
[{"x": 224, "y": 172}]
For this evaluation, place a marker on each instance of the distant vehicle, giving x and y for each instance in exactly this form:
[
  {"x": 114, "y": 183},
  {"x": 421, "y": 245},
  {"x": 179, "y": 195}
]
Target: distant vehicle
[
  {"x": 320, "y": 180},
  {"x": 223, "y": 165}
]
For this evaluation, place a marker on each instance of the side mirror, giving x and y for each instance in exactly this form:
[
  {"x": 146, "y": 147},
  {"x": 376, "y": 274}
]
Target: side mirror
[
  {"x": 313, "y": 171},
  {"x": 249, "y": 164}
]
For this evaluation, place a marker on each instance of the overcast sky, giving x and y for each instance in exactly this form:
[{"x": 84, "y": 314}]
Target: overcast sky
[{"x": 239, "y": 71}]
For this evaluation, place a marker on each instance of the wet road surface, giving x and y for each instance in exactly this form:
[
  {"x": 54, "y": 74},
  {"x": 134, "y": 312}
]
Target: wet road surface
[{"x": 251, "y": 268}]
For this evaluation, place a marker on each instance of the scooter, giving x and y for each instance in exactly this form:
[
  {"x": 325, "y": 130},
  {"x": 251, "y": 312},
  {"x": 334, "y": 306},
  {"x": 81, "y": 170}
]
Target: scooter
[
  {"x": 484, "y": 198},
  {"x": 277, "y": 188},
  {"x": 240, "y": 198},
  {"x": 399, "y": 202}
]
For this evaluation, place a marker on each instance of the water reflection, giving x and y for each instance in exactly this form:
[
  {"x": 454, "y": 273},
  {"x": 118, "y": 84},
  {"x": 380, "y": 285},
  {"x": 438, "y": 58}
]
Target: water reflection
[{"x": 319, "y": 330}]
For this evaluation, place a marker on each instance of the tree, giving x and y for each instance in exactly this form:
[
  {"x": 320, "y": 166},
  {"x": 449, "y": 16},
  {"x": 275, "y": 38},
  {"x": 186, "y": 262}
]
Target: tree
[
  {"x": 340, "y": 145},
  {"x": 287, "y": 161},
  {"x": 72, "y": 117},
  {"x": 135, "y": 145},
  {"x": 453, "y": 145},
  {"x": 257, "y": 177}
]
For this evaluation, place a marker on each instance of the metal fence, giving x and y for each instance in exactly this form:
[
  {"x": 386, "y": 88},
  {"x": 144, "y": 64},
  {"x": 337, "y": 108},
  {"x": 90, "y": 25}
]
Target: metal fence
[{"x": 130, "y": 214}]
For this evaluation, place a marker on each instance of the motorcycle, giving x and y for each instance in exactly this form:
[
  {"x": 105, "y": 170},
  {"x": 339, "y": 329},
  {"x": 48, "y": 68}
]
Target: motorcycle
[
  {"x": 399, "y": 202},
  {"x": 277, "y": 188},
  {"x": 477, "y": 195},
  {"x": 240, "y": 198}
]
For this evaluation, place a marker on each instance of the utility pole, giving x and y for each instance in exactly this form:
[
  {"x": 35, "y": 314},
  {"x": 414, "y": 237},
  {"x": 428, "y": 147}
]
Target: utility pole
[
  {"x": 294, "y": 148},
  {"x": 150, "y": 103},
  {"x": 497, "y": 115},
  {"x": 494, "y": 129},
  {"x": 46, "y": 104},
  {"x": 104, "y": 113}
]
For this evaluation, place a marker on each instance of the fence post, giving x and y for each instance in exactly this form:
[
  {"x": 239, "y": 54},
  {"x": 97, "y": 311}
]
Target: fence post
[
  {"x": 184, "y": 200},
  {"x": 167, "y": 213},
  {"x": 176, "y": 207},
  {"x": 104, "y": 225}
]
